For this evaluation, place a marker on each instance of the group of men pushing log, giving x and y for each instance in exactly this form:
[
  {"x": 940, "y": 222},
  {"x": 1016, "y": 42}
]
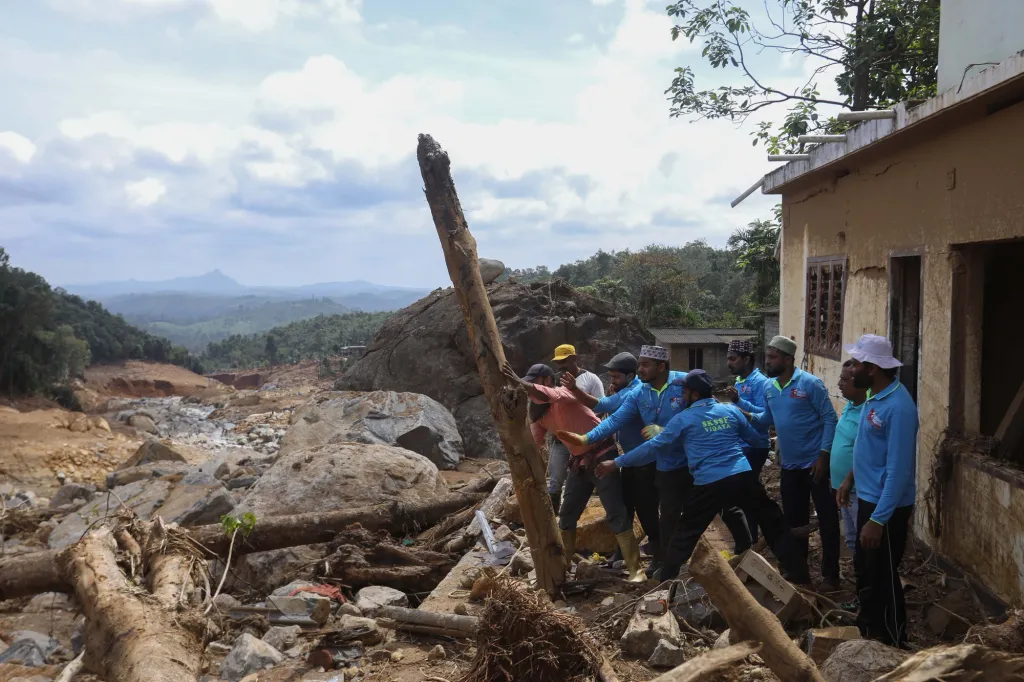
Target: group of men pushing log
[{"x": 674, "y": 455}]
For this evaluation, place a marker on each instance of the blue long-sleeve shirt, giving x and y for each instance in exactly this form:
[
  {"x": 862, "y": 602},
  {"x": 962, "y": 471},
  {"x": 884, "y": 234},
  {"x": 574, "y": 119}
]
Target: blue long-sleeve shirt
[
  {"x": 885, "y": 452},
  {"x": 751, "y": 393},
  {"x": 708, "y": 437},
  {"x": 652, "y": 406},
  {"x": 630, "y": 434},
  {"x": 804, "y": 419}
]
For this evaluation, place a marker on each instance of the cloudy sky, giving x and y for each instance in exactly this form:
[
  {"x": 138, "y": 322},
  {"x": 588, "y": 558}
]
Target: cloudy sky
[{"x": 276, "y": 139}]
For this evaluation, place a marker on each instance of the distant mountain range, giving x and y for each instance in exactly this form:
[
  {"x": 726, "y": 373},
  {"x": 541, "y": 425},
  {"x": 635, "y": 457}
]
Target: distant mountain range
[{"x": 194, "y": 311}]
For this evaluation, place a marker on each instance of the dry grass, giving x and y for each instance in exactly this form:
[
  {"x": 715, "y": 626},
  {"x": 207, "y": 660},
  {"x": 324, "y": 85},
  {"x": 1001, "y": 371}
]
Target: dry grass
[{"x": 522, "y": 637}]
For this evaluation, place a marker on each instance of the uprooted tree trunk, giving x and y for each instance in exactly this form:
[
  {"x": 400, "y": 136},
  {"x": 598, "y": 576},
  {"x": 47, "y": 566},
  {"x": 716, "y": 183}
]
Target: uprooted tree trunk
[
  {"x": 135, "y": 635},
  {"x": 747, "y": 619},
  {"x": 38, "y": 572},
  {"x": 508, "y": 407},
  {"x": 360, "y": 557}
]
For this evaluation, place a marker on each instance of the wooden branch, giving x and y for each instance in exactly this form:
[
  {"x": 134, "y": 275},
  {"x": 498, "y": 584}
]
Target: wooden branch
[
  {"x": 449, "y": 621},
  {"x": 130, "y": 639},
  {"x": 508, "y": 406},
  {"x": 423, "y": 629},
  {"x": 37, "y": 572},
  {"x": 747, "y": 619},
  {"x": 492, "y": 506},
  {"x": 709, "y": 663}
]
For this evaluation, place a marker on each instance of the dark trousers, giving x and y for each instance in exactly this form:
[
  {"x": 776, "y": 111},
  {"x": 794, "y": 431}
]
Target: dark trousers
[
  {"x": 704, "y": 502},
  {"x": 580, "y": 485},
  {"x": 673, "y": 489},
  {"x": 883, "y": 611},
  {"x": 640, "y": 495},
  {"x": 756, "y": 457},
  {"x": 798, "y": 489}
]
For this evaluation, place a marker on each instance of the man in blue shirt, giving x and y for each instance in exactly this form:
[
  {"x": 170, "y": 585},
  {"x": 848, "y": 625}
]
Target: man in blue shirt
[
  {"x": 655, "y": 401},
  {"x": 799, "y": 406},
  {"x": 841, "y": 461},
  {"x": 884, "y": 459},
  {"x": 707, "y": 437},
  {"x": 639, "y": 492},
  {"x": 748, "y": 395}
]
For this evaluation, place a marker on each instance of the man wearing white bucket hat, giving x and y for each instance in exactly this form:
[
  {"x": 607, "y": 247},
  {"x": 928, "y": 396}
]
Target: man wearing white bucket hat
[{"x": 884, "y": 458}]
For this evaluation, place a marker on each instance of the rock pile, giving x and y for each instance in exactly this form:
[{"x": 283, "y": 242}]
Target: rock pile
[{"x": 425, "y": 348}]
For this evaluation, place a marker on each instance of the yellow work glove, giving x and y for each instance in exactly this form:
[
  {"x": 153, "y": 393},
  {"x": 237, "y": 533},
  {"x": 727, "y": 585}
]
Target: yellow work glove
[
  {"x": 574, "y": 438},
  {"x": 651, "y": 430}
]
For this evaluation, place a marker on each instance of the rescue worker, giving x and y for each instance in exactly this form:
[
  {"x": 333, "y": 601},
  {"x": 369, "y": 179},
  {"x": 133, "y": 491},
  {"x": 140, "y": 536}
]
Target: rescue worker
[
  {"x": 566, "y": 412},
  {"x": 639, "y": 491},
  {"x": 748, "y": 394},
  {"x": 884, "y": 465},
  {"x": 707, "y": 437},
  {"x": 799, "y": 407}
]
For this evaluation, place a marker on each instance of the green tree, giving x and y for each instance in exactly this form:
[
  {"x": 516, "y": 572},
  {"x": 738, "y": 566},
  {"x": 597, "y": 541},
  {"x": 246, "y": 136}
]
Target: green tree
[
  {"x": 68, "y": 354},
  {"x": 270, "y": 350},
  {"x": 882, "y": 51},
  {"x": 608, "y": 289},
  {"x": 755, "y": 248}
]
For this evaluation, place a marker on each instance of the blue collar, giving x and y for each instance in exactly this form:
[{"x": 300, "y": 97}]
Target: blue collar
[{"x": 887, "y": 392}]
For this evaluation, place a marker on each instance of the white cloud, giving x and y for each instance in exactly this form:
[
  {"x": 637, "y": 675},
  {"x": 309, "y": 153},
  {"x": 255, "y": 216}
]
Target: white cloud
[
  {"x": 575, "y": 39},
  {"x": 18, "y": 146},
  {"x": 145, "y": 192}
]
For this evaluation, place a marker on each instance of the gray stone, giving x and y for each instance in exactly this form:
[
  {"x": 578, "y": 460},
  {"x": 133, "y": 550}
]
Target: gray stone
[
  {"x": 425, "y": 348},
  {"x": 69, "y": 492},
  {"x": 286, "y": 590},
  {"x": 645, "y": 630},
  {"x": 242, "y": 482},
  {"x": 142, "y": 497},
  {"x": 370, "y": 599},
  {"x": 693, "y": 605},
  {"x": 342, "y": 476},
  {"x": 78, "y": 635},
  {"x": 666, "y": 655},
  {"x": 152, "y": 451},
  {"x": 268, "y": 570},
  {"x": 141, "y": 422},
  {"x": 349, "y": 609},
  {"x": 196, "y": 505},
  {"x": 225, "y": 602},
  {"x": 723, "y": 641},
  {"x": 282, "y": 638},
  {"x": 363, "y": 629},
  {"x": 145, "y": 472},
  {"x": 47, "y": 644},
  {"x": 24, "y": 652},
  {"x": 490, "y": 269},
  {"x": 861, "y": 660},
  {"x": 248, "y": 655},
  {"x": 408, "y": 420},
  {"x": 49, "y": 601}
]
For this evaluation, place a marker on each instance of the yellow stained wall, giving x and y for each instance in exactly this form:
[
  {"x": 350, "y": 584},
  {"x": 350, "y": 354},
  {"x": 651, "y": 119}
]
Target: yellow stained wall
[{"x": 966, "y": 185}]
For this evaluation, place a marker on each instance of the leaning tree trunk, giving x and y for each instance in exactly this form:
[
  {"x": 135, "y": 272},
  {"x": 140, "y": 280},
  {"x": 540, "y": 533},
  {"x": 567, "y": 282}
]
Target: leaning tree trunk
[
  {"x": 133, "y": 637},
  {"x": 508, "y": 407}
]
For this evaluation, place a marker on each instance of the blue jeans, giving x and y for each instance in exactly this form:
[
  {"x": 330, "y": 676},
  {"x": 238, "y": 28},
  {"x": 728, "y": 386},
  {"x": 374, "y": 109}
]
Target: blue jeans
[
  {"x": 850, "y": 523},
  {"x": 558, "y": 466}
]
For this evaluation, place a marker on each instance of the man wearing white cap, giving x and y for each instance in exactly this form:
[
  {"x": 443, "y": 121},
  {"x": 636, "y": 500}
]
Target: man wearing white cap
[{"x": 884, "y": 459}]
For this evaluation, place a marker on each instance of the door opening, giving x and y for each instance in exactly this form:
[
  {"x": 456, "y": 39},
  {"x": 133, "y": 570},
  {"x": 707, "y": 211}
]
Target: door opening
[{"x": 905, "y": 317}]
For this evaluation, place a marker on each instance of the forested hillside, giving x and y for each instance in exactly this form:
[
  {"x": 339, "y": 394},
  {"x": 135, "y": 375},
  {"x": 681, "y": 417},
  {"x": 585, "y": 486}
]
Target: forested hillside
[
  {"x": 314, "y": 338},
  {"x": 48, "y": 336}
]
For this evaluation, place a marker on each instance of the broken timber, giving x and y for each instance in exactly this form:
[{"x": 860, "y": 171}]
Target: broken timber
[
  {"x": 38, "y": 572},
  {"x": 508, "y": 407},
  {"x": 747, "y": 619},
  {"x": 709, "y": 664}
]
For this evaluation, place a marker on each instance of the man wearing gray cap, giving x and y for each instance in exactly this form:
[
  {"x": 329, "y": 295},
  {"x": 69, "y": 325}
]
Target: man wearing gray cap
[
  {"x": 799, "y": 406},
  {"x": 884, "y": 465}
]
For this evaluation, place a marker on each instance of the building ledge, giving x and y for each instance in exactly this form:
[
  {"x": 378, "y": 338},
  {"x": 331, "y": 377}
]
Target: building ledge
[{"x": 976, "y": 96}]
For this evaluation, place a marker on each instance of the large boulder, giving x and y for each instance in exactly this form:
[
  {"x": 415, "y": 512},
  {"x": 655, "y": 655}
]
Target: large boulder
[
  {"x": 153, "y": 451},
  {"x": 861, "y": 660},
  {"x": 142, "y": 497},
  {"x": 408, "y": 420},
  {"x": 342, "y": 476},
  {"x": 425, "y": 348}
]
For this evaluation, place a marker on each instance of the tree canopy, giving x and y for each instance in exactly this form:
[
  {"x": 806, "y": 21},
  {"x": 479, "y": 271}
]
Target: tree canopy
[{"x": 879, "y": 53}]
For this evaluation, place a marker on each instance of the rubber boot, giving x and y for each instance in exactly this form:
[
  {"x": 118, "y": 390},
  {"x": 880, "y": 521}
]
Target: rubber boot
[
  {"x": 569, "y": 544},
  {"x": 631, "y": 554},
  {"x": 556, "y": 501}
]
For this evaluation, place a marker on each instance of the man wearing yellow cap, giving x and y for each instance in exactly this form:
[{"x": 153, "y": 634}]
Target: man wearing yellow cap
[{"x": 567, "y": 361}]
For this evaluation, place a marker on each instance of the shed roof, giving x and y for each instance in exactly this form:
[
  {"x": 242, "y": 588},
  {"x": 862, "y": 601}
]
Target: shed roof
[{"x": 701, "y": 336}]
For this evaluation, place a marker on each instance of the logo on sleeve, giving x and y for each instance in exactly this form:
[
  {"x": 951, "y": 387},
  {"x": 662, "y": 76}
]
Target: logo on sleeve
[
  {"x": 677, "y": 403},
  {"x": 874, "y": 419},
  {"x": 796, "y": 394}
]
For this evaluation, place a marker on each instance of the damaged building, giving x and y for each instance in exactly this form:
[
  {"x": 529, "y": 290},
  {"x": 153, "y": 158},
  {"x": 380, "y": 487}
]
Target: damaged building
[{"x": 912, "y": 225}]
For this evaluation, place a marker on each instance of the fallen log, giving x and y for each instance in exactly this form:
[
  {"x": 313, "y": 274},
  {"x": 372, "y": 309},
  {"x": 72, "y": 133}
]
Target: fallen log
[
  {"x": 508, "y": 406},
  {"x": 747, "y": 619},
  {"x": 437, "y": 537},
  {"x": 152, "y": 638},
  {"x": 418, "y": 629},
  {"x": 37, "y": 572},
  {"x": 709, "y": 663},
  {"x": 448, "y": 621},
  {"x": 961, "y": 663},
  {"x": 491, "y": 507}
]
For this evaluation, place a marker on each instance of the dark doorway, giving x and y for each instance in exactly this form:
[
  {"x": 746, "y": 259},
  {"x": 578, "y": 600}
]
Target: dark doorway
[
  {"x": 1002, "y": 372},
  {"x": 696, "y": 358},
  {"x": 905, "y": 316}
]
